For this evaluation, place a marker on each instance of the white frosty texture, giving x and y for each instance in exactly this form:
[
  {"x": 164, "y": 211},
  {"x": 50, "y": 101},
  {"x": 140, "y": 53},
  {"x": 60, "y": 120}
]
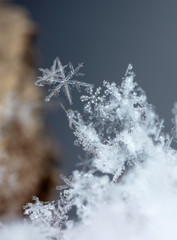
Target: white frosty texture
[
  {"x": 20, "y": 231},
  {"x": 127, "y": 189}
]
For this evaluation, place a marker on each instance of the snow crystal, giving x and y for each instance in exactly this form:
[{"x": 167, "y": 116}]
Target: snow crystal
[
  {"x": 127, "y": 189},
  {"x": 58, "y": 77}
]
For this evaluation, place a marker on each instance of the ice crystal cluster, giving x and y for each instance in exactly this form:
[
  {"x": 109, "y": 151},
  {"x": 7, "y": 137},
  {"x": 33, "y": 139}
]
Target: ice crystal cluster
[{"x": 127, "y": 187}]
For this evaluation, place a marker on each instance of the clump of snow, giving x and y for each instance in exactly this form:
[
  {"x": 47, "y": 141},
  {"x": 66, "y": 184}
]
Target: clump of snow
[
  {"x": 21, "y": 231},
  {"x": 127, "y": 188}
]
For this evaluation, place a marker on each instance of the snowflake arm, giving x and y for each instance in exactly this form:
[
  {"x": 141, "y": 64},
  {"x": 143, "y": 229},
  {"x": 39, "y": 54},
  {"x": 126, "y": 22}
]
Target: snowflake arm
[
  {"x": 67, "y": 92},
  {"x": 54, "y": 92},
  {"x": 82, "y": 84}
]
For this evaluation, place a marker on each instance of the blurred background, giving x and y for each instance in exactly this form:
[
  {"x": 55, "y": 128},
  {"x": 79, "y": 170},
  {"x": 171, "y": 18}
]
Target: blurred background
[{"x": 106, "y": 36}]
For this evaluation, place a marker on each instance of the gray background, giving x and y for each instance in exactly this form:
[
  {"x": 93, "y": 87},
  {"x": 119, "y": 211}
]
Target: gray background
[{"x": 107, "y": 35}]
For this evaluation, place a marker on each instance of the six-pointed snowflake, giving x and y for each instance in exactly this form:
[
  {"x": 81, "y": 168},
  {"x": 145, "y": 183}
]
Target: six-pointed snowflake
[{"x": 61, "y": 79}]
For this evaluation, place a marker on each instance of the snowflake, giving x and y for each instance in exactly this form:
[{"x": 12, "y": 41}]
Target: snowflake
[
  {"x": 93, "y": 99},
  {"x": 58, "y": 77}
]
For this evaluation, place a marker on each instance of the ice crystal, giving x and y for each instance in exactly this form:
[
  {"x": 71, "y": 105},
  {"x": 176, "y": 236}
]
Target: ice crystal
[
  {"x": 60, "y": 79},
  {"x": 127, "y": 188}
]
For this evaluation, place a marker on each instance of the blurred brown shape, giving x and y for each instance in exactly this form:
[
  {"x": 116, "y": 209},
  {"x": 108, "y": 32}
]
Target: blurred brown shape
[{"x": 26, "y": 156}]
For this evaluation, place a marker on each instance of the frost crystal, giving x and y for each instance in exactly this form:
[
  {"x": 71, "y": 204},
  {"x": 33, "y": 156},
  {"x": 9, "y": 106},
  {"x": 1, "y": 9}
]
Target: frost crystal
[
  {"x": 58, "y": 77},
  {"x": 127, "y": 188}
]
